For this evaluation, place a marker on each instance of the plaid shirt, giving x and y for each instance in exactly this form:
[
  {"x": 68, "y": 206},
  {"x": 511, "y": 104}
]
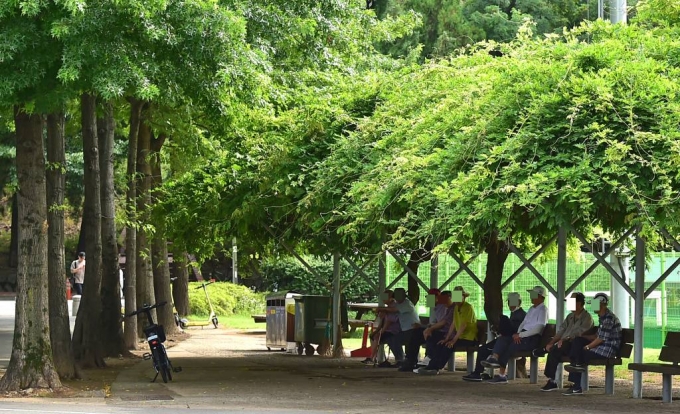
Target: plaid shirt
[{"x": 610, "y": 333}]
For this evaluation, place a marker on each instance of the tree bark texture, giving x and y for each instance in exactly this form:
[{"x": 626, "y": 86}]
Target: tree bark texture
[
  {"x": 130, "y": 281},
  {"x": 145, "y": 288},
  {"x": 87, "y": 336},
  {"x": 417, "y": 257},
  {"x": 13, "y": 261},
  {"x": 497, "y": 253},
  {"x": 60, "y": 329},
  {"x": 161, "y": 266},
  {"x": 31, "y": 364},
  {"x": 112, "y": 328},
  {"x": 180, "y": 287}
]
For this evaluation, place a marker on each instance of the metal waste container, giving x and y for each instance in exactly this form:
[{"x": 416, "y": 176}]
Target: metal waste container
[
  {"x": 312, "y": 315},
  {"x": 280, "y": 319}
]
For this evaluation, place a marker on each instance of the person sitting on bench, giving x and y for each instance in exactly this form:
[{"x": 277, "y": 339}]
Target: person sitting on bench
[
  {"x": 408, "y": 321},
  {"x": 433, "y": 333},
  {"x": 507, "y": 326},
  {"x": 576, "y": 324},
  {"x": 605, "y": 345},
  {"x": 462, "y": 333},
  {"x": 527, "y": 338},
  {"x": 387, "y": 325}
]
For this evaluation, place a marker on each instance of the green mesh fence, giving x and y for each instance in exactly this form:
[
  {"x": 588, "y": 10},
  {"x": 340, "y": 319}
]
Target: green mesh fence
[{"x": 661, "y": 309}]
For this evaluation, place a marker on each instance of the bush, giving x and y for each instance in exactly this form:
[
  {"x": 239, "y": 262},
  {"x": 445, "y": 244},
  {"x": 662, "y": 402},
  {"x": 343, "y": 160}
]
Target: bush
[
  {"x": 227, "y": 299},
  {"x": 289, "y": 274}
]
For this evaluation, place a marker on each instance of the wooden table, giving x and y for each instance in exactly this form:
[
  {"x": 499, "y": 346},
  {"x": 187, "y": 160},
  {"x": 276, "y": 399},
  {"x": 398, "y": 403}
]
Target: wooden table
[{"x": 361, "y": 309}]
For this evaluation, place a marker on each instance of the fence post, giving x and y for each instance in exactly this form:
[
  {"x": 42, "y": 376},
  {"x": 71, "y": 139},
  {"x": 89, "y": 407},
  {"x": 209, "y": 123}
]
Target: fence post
[{"x": 638, "y": 343}]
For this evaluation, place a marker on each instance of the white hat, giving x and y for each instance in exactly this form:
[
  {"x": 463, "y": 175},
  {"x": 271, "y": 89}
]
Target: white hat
[
  {"x": 462, "y": 289},
  {"x": 514, "y": 295},
  {"x": 540, "y": 290}
]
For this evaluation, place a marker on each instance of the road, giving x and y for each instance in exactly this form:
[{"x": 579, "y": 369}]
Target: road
[
  {"x": 7, "y": 307},
  {"x": 25, "y": 407}
]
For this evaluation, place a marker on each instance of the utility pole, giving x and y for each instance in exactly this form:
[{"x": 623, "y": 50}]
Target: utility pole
[
  {"x": 618, "y": 11},
  {"x": 600, "y": 9}
]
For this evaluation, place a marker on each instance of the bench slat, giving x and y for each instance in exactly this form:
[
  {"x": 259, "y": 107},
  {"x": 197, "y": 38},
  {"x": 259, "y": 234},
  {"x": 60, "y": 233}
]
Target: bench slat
[
  {"x": 659, "y": 368},
  {"x": 627, "y": 336},
  {"x": 670, "y": 354},
  {"x": 625, "y": 350},
  {"x": 672, "y": 339}
]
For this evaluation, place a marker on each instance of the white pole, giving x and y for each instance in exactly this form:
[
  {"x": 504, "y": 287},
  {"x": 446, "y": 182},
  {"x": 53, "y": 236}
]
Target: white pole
[
  {"x": 638, "y": 345},
  {"x": 618, "y": 11},
  {"x": 620, "y": 261},
  {"x": 434, "y": 277},
  {"x": 234, "y": 262}
]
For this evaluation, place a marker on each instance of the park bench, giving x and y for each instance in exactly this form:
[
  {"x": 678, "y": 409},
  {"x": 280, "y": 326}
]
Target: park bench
[
  {"x": 482, "y": 327},
  {"x": 259, "y": 318},
  {"x": 546, "y": 336},
  {"x": 626, "y": 348},
  {"x": 669, "y": 353}
]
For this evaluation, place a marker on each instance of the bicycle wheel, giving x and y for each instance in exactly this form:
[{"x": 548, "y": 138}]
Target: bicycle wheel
[{"x": 164, "y": 373}]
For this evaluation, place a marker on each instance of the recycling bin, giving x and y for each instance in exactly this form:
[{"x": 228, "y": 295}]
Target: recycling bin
[{"x": 280, "y": 320}]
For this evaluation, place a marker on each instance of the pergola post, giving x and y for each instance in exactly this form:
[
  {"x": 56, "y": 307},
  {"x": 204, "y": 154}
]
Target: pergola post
[
  {"x": 638, "y": 339},
  {"x": 561, "y": 291},
  {"x": 382, "y": 277},
  {"x": 337, "y": 332},
  {"x": 434, "y": 277}
]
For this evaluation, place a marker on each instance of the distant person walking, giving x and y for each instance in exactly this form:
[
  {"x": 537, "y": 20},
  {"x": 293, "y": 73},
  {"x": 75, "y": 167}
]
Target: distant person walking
[{"x": 78, "y": 272}]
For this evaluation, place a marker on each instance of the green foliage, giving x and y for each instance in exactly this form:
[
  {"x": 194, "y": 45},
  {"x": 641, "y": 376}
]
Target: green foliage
[
  {"x": 288, "y": 274},
  {"x": 226, "y": 298}
]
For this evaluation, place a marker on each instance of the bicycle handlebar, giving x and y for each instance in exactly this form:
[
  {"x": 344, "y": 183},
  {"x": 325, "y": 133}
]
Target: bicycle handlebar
[{"x": 146, "y": 308}]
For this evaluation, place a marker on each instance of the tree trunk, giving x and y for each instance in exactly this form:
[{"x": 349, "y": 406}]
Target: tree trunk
[
  {"x": 130, "y": 281},
  {"x": 180, "y": 287},
  {"x": 145, "y": 293},
  {"x": 417, "y": 257},
  {"x": 112, "y": 329},
  {"x": 161, "y": 267},
  {"x": 87, "y": 336},
  {"x": 497, "y": 252},
  {"x": 13, "y": 261},
  {"x": 60, "y": 329},
  {"x": 30, "y": 364}
]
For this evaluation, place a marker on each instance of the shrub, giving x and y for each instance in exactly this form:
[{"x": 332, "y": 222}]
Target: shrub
[{"x": 227, "y": 299}]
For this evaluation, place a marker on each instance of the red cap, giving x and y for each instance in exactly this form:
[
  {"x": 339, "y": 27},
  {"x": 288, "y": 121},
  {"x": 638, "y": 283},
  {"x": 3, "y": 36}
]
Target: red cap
[{"x": 433, "y": 291}]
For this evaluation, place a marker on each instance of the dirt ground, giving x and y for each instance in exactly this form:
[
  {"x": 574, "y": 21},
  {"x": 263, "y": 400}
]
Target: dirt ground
[{"x": 233, "y": 368}]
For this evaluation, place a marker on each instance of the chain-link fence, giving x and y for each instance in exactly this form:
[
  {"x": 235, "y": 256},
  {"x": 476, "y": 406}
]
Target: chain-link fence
[{"x": 661, "y": 309}]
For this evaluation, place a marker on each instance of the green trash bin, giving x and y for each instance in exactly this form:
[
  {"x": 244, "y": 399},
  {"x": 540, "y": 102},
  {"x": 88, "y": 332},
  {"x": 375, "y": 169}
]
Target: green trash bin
[{"x": 312, "y": 314}]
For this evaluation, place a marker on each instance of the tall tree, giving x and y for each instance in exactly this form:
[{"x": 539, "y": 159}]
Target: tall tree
[
  {"x": 14, "y": 234},
  {"x": 180, "y": 286},
  {"x": 60, "y": 328},
  {"x": 145, "y": 286},
  {"x": 31, "y": 364},
  {"x": 112, "y": 330},
  {"x": 161, "y": 266},
  {"x": 87, "y": 335},
  {"x": 130, "y": 281}
]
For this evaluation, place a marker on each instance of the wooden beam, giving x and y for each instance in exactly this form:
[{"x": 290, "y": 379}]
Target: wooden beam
[
  {"x": 531, "y": 260},
  {"x": 410, "y": 272},
  {"x": 533, "y": 270}
]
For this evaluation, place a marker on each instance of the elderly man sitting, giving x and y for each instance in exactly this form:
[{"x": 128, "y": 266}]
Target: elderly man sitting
[{"x": 527, "y": 338}]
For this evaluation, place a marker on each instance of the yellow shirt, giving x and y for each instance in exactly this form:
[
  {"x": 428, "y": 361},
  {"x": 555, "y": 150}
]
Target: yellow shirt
[{"x": 464, "y": 314}]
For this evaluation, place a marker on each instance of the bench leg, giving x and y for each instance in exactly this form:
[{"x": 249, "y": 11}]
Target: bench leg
[
  {"x": 667, "y": 393},
  {"x": 533, "y": 371},
  {"x": 512, "y": 368},
  {"x": 609, "y": 380},
  {"x": 381, "y": 353},
  {"x": 584, "y": 380},
  {"x": 470, "y": 362},
  {"x": 559, "y": 376},
  {"x": 452, "y": 363}
]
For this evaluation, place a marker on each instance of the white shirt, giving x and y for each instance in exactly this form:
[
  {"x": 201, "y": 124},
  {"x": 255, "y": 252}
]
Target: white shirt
[
  {"x": 407, "y": 314},
  {"x": 534, "y": 322}
]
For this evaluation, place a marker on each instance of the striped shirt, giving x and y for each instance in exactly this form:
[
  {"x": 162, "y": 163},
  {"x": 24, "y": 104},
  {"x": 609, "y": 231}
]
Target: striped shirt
[{"x": 610, "y": 333}]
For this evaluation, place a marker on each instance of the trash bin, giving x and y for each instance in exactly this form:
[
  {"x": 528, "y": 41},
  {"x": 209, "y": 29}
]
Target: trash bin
[
  {"x": 280, "y": 320},
  {"x": 312, "y": 314}
]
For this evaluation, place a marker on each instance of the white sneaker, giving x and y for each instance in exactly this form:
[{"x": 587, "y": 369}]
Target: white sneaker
[{"x": 425, "y": 361}]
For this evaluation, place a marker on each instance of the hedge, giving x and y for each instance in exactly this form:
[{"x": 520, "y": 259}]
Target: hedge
[{"x": 227, "y": 299}]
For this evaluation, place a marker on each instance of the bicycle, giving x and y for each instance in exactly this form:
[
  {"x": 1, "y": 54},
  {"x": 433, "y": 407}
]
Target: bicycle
[{"x": 155, "y": 336}]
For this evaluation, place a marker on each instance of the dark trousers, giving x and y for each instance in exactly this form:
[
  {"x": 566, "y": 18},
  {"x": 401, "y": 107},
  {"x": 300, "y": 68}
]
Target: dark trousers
[
  {"x": 397, "y": 341},
  {"x": 505, "y": 347},
  {"x": 579, "y": 355},
  {"x": 78, "y": 288},
  {"x": 442, "y": 353},
  {"x": 431, "y": 342},
  {"x": 482, "y": 354},
  {"x": 417, "y": 339},
  {"x": 554, "y": 358}
]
